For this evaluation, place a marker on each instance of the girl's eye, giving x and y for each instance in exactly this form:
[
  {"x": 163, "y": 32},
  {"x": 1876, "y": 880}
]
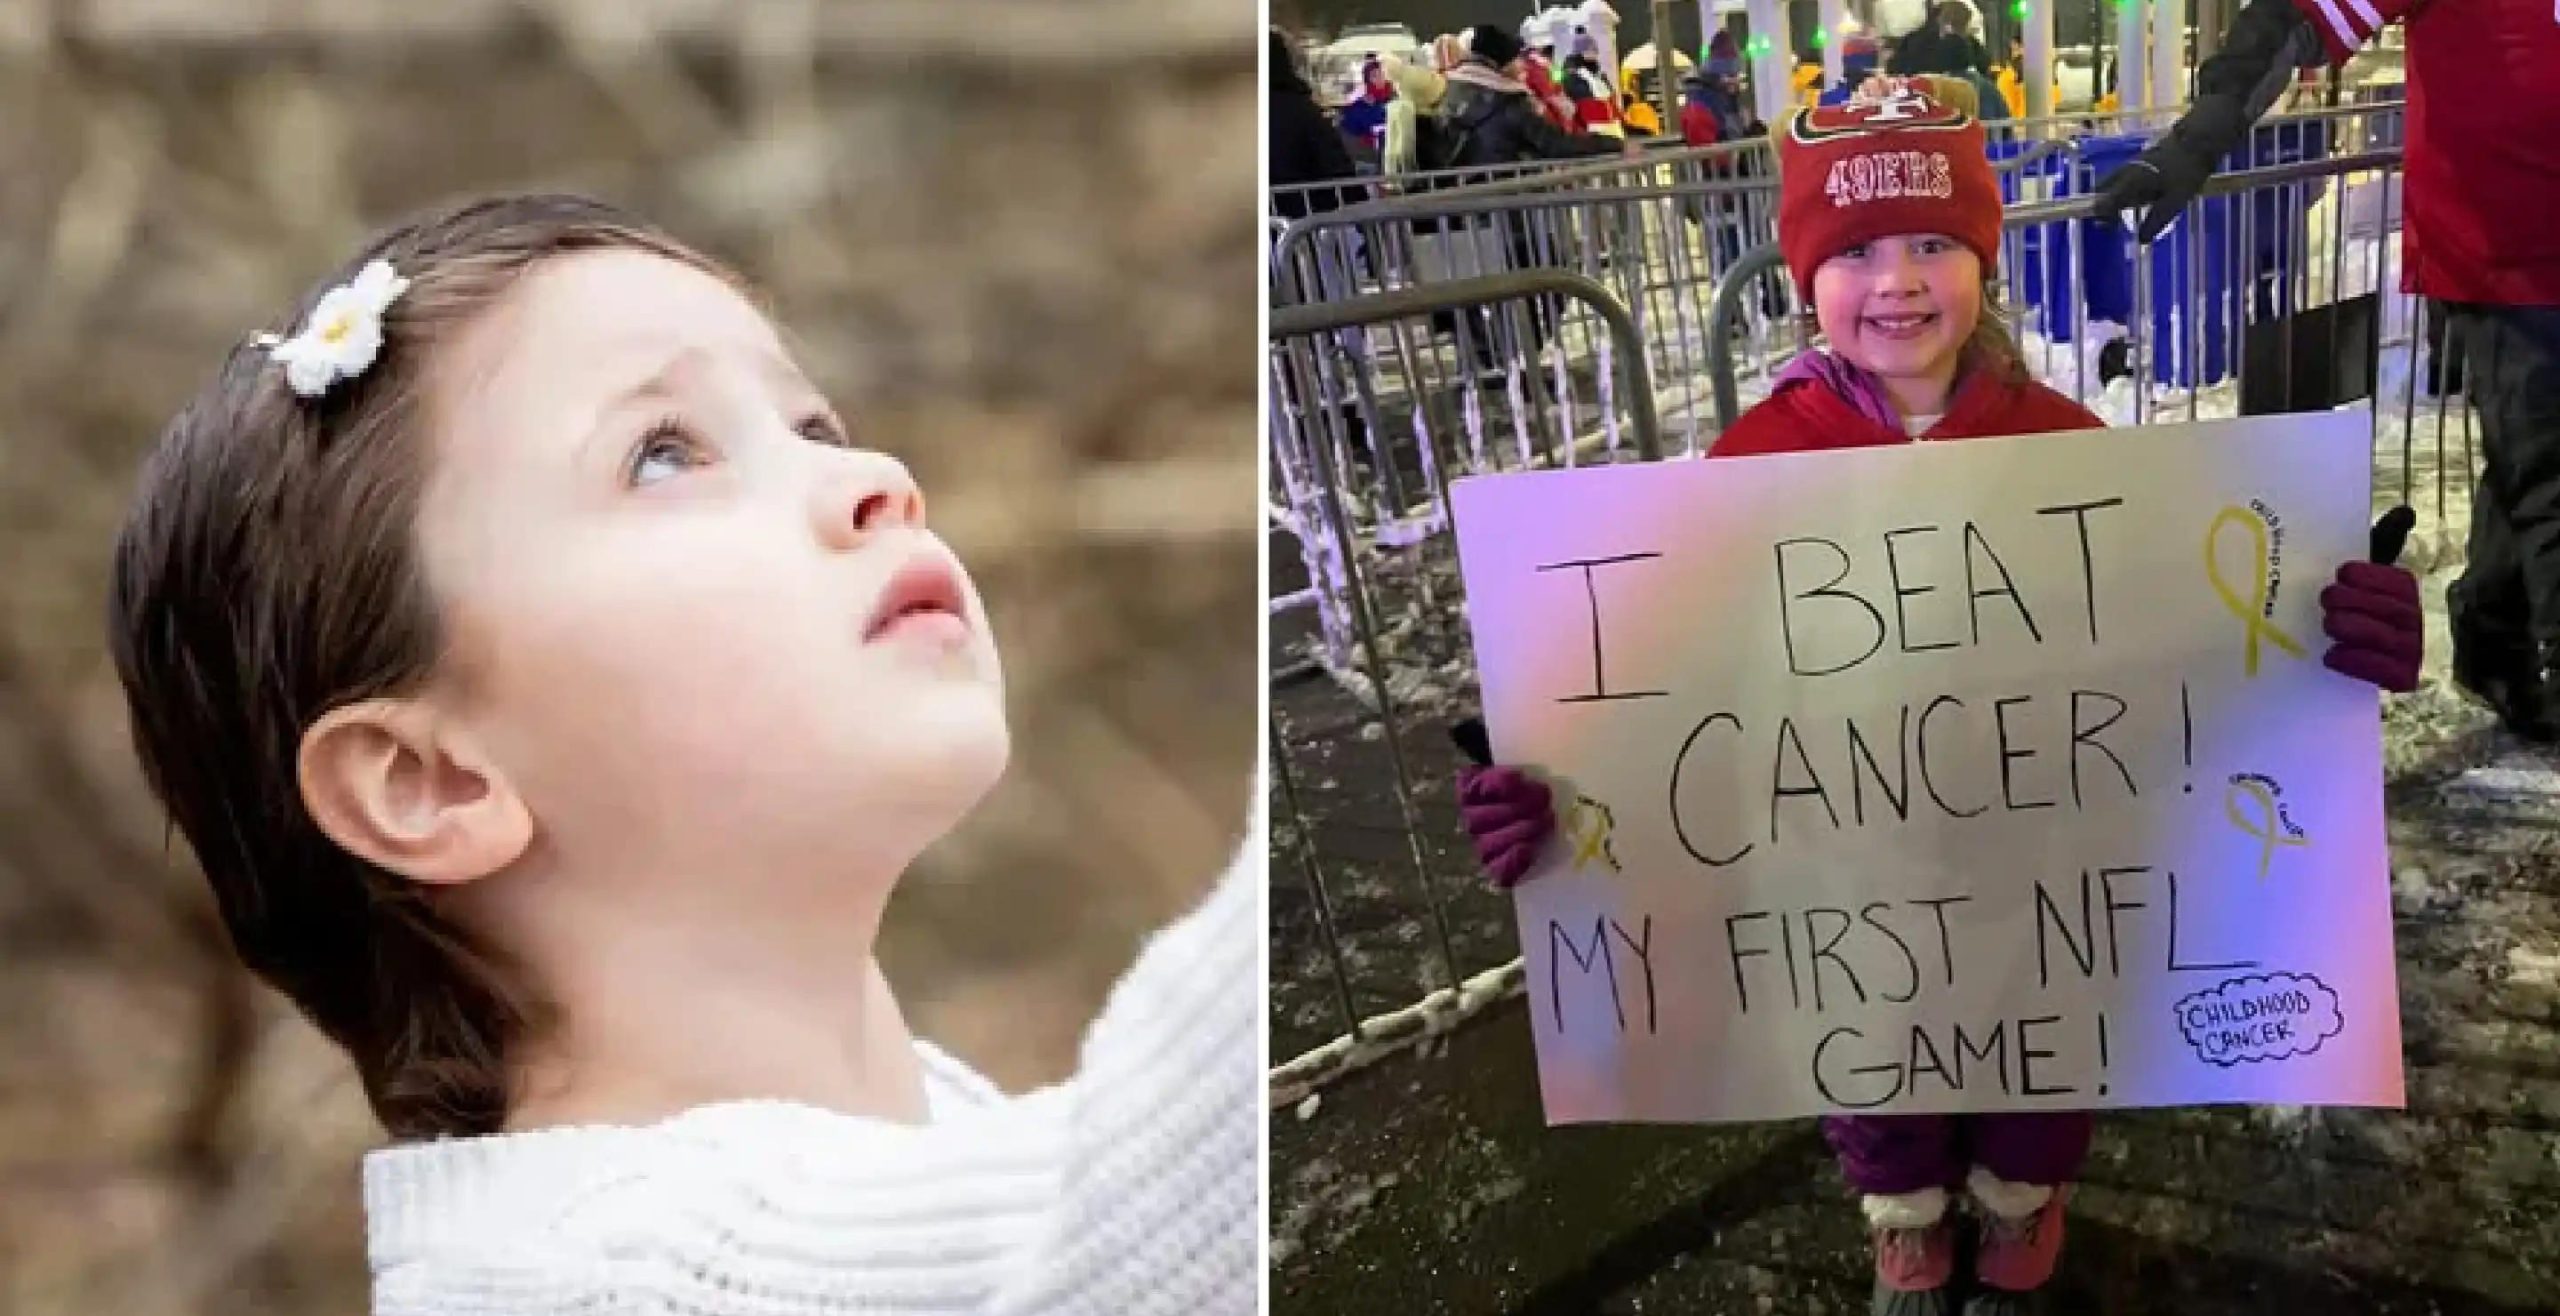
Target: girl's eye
[
  {"x": 666, "y": 450},
  {"x": 822, "y": 428},
  {"x": 1932, "y": 246},
  {"x": 1858, "y": 252}
]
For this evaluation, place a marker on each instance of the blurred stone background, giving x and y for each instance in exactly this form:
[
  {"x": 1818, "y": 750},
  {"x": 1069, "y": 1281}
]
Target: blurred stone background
[{"x": 1016, "y": 236}]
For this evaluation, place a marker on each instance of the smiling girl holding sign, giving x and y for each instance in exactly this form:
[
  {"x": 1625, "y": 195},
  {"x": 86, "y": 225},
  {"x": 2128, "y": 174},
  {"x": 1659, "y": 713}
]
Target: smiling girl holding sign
[{"x": 1890, "y": 221}]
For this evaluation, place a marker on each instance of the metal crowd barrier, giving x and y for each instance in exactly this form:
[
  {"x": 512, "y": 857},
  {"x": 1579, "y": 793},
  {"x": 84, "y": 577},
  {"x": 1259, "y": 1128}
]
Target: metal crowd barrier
[
  {"x": 1618, "y": 329},
  {"x": 1323, "y": 396},
  {"x": 1297, "y": 200},
  {"x": 1663, "y": 233},
  {"x": 1420, "y": 198},
  {"x": 1288, "y": 202},
  {"x": 1306, "y": 342},
  {"x": 2319, "y": 227}
]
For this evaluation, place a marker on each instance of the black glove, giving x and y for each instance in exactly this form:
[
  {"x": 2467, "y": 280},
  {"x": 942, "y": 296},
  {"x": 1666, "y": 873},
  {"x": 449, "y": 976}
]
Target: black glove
[
  {"x": 2166, "y": 177},
  {"x": 2267, "y": 42},
  {"x": 2391, "y": 534},
  {"x": 1469, "y": 734}
]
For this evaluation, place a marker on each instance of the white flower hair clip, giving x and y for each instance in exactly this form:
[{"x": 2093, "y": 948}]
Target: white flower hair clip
[{"x": 343, "y": 335}]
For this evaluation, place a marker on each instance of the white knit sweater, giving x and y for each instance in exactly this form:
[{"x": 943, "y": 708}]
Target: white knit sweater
[{"x": 1128, "y": 1190}]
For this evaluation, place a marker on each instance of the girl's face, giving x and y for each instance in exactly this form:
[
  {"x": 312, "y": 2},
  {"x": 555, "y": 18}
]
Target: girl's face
[
  {"x": 693, "y": 611},
  {"x": 1901, "y": 308}
]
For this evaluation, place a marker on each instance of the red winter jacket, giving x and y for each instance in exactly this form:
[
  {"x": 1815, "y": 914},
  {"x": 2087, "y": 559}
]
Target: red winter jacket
[
  {"x": 1697, "y": 124},
  {"x": 2483, "y": 154},
  {"x": 1806, "y": 416},
  {"x": 1550, "y": 98}
]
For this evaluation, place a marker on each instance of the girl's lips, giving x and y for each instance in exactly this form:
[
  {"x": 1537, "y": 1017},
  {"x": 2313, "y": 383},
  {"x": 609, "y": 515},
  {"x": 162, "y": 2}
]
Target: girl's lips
[
  {"x": 940, "y": 629},
  {"x": 1900, "y": 326},
  {"x": 924, "y": 597}
]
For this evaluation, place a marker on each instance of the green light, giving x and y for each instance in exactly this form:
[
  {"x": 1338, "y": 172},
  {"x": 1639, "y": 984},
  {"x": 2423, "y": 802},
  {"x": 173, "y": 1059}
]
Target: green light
[
  {"x": 1757, "y": 47},
  {"x": 1820, "y": 39},
  {"x": 2018, "y": 10}
]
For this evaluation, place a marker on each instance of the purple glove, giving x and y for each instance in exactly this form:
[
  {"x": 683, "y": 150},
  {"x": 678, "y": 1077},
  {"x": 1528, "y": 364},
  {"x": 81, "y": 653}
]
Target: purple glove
[
  {"x": 2372, "y": 613},
  {"x": 1509, "y": 816}
]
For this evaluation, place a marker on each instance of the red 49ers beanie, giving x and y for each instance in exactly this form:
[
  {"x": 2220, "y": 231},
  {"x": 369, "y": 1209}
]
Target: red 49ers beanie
[{"x": 1899, "y": 162}]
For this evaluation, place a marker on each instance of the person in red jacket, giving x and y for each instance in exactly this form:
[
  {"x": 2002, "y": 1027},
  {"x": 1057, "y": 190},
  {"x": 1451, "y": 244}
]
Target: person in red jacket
[
  {"x": 1595, "y": 104},
  {"x": 1537, "y": 73},
  {"x": 2483, "y": 180},
  {"x": 1889, "y": 218}
]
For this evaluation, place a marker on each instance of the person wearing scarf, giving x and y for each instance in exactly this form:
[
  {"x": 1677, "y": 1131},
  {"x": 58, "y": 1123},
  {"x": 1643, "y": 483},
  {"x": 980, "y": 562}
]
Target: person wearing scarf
[{"x": 1492, "y": 118}]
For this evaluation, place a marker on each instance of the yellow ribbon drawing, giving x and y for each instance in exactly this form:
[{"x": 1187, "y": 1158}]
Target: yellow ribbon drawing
[
  {"x": 1588, "y": 828},
  {"x": 2253, "y": 612},
  {"x": 2268, "y": 826}
]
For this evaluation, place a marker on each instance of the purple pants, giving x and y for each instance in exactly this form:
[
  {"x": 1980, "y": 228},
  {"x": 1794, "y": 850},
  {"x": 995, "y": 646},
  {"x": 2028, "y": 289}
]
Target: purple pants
[{"x": 1884, "y": 1155}]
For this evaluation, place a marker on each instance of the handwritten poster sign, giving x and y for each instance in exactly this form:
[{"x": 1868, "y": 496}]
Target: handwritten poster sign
[{"x": 1993, "y": 775}]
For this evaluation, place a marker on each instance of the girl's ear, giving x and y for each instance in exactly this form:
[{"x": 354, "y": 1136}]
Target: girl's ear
[{"x": 406, "y": 790}]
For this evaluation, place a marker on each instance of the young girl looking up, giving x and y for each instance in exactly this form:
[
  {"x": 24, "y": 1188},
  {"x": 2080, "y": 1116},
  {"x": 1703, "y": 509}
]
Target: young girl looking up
[
  {"x": 553, "y": 685},
  {"x": 1890, "y": 222}
]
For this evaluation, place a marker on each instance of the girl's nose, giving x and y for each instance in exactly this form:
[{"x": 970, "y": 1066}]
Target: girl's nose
[
  {"x": 1895, "y": 271},
  {"x": 870, "y": 493}
]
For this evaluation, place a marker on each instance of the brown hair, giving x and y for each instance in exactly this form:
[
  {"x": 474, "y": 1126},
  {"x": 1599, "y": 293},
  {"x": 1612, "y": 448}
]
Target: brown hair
[
  {"x": 1991, "y": 346},
  {"x": 266, "y": 574}
]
